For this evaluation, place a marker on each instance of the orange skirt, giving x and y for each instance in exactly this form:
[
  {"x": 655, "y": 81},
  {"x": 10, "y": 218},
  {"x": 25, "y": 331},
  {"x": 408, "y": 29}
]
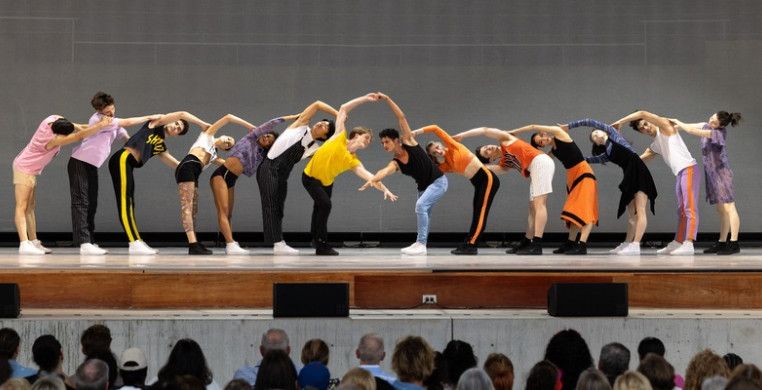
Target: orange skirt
[{"x": 581, "y": 207}]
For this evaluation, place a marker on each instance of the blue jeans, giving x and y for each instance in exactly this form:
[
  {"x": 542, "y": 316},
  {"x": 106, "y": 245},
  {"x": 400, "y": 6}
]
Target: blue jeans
[{"x": 425, "y": 203}]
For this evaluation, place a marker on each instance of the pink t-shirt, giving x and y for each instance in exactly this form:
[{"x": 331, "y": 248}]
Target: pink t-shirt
[
  {"x": 34, "y": 157},
  {"x": 95, "y": 149}
]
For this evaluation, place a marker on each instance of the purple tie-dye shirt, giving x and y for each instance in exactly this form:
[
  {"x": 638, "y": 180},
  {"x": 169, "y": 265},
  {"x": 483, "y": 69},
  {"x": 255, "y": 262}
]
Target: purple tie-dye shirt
[
  {"x": 719, "y": 176},
  {"x": 248, "y": 150}
]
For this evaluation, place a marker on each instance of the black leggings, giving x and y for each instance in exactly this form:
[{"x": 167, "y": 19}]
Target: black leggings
[
  {"x": 485, "y": 184},
  {"x": 321, "y": 195}
]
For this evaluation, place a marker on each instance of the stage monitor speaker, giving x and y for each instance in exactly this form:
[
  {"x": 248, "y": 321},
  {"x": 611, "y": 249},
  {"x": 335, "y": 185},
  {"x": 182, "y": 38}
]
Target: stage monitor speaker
[
  {"x": 10, "y": 301},
  {"x": 588, "y": 300},
  {"x": 310, "y": 299}
]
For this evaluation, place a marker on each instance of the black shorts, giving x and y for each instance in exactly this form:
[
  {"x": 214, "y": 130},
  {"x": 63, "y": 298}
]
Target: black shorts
[
  {"x": 226, "y": 175},
  {"x": 188, "y": 170}
]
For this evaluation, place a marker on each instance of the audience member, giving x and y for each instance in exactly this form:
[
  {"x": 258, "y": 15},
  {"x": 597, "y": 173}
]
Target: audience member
[
  {"x": 732, "y": 360},
  {"x": 360, "y": 377},
  {"x": 704, "y": 365},
  {"x": 593, "y": 379},
  {"x": 49, "y": 383},
  {"x": 439, "y": 379},
  {"x": 474, "y": 379},
  {"x": 9, "y": 349},
  {"x": 656, "y": 346},
  {"x": 48, "y": 355},
  {"x": 413, "y": 361},
  {"x": 133, "y": 368},
  {"x": 569, "y": 352},
  {"x": 271, "y": 340},
  {"x": 660, "y": 374},
  {"x": 94, "y": 338},
  {"x": 500, "y": 370},
  {"x": 632, "y": 380},
  {"x": 108, "y": 358},
  {"x": 186, "y": 358},
  {"x": 92, "y": 375},
  {"x": 371, "y": 353},
  {"x": 16, "y": 384},
  {"x": 460, "y": 357},
  {"x": 742, "y": 383},
  {"x": 314, "y": 376},
  {"x": 276, "y": 371},
  {"x": 544, "y": 376},
  {"x": 316, "y": 350},
  {"x": 238, "y": 384},
  {"x": 614, "y": 360},
  {"x": 6, "y": 370},
  {"x": 747, "y": 371},
  {"x": 183, "y": 382},
  {"x": 714, "y": 383}
]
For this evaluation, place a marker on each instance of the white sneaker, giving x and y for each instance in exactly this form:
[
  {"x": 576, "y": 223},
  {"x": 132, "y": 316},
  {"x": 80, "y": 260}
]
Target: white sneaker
[
  {"x": 38, "y": 244},
  {"x": 281, "y": 249},
  {"x": 685, "y": 249},
  {"x": 417, "y": 249},
  {"x": 232, "y": 248},
  {"x": 619, "y": 248},
  {"x": 669, "y": 248},
  {"x": 98, "y": 246},
  {"x": 631, "y": 249},
  {"x": 90, "y": 249},
  {"x": 139, "y": 247},
  {"x": 27, "y": 248}
]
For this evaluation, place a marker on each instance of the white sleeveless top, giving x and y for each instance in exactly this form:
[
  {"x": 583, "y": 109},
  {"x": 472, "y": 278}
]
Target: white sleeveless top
[
  {"x": 206, "y": 142},
  {"x": 673, "y": 150}
]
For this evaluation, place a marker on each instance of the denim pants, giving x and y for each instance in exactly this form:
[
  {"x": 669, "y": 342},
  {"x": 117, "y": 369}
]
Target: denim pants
[{"x": 425, "y": 203}]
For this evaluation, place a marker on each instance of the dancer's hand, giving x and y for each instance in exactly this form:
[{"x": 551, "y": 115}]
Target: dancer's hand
[
  {"x": 388, "y": 195},
  {"x": 369, "y": 183}
]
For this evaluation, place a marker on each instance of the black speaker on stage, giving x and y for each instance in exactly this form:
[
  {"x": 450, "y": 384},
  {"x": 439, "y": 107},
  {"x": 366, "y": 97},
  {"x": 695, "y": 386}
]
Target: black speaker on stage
[
  {"x": 588, "y": 300},
  {"x": 310, "y": 299},
  {"x": 10, "y": 300}
]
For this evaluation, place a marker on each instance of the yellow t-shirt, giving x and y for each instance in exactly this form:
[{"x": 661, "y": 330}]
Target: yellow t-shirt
[{"x": 331, "y": 159}]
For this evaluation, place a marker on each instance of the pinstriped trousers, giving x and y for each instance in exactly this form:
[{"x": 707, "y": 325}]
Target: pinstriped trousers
[
  {"x": 83, "y": 186},
  {"x": 272, "y": 178}
]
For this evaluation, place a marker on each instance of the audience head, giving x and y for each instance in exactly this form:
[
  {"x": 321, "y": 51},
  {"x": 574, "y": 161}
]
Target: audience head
[
  {"x": 9, "y": 343},
  {"x": 361, "y": 378},
  {"x": 569, "y": 352},
  {"x": 460, "y": 357},
  {"x": 741, "y": 383},
  {"x": 474, "y": 379},
  {"x": 593, "y": 379},
  {"x": 181, "y": 382},
  {"x": 93, "y": 374},
  {"x": 714, "y": 383},
  {"x": 315, "y": 350},
  {"x": 371, "y": 351},
  {"x": 500, "y": 370},
  {"x": 314, "y": 376},
  {"x": 16, "y": 384},
  {"x": 133, "y": 367},
  {"x": 632, "y": 380},
  {"x": 747, "y": 371},
  {"x": 276, "y": 371},
  {"x": 49, "y": 382},
  {"x": 6, "y": 370},
  {"x": 543, "y": 376},
  {"x": 186, "y": 358},
  {"x": 440, "y": 376},
  {"x": 94, "y": 338},
  {"x": 108, "y": 358},
  {"x": 413, "y": 359},
  {"x": 238, "y": 384},
  {"x": 650, "y": 345},
  {"x": 274, "y": 339},
  {"x": 704, "y": 365},
  {"x": 47, "y": 353},
  {"x": 614, "y": 360},
  {"x": 659, "y": 372},
  {"x": 732, "y": 360}
]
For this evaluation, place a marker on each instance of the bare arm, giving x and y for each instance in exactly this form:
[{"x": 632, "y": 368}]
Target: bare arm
[
  {"x": 168, "y": 159},
  {"x": 177, "y": 115},
  {"x": 498, "y": 169},
  {"x": 363, "y": 173},
  {"x": 381, "y": 174},
  {"x": 341, "y": 118},
  {"x": 306, "y": 116},
  {"x": 216, "y": 126},
  {"x": 637, "y": 115},
  {"x": 405, "y": 132},
  {"x": 648, "y": 155},
  {"x": 127, "y": 122},
  {"x": 556, "y": 131},
  {"x": 692, "y": 128},
  {"x": 490, "y": 132},
  {"x": 83, "y": 131}
]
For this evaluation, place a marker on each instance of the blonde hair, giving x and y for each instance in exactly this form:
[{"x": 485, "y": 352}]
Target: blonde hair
[
  {"x": 413, "y": 359},
  {"x": 632, "y": 380},
  {"x": 500, "y": 370},
  {"x": 360, "y": 377},
  {"x": 704, "y": 365},
  {"x": 16, "y": 384},
  {"x": 359, "y": 130}
]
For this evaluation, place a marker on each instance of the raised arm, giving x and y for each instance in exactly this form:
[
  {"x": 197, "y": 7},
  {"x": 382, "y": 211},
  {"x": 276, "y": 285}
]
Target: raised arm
[
  {"x": 82, "y": 132},
  {"x": 405, "y": 132},
  {"x": 613, "y": 133},
  {"x": 692, "y": 128},
  {"x": 127, "y": 122},
  {"x": 490, "y": 132},
  {"x": 229, "y": 118},
  {"x": 556, "y": 131},
  {"x": 341, "y": 118},
  {"x": 175, "y": 116},
  {"x": 306, "y": 116},
  {"x": 363, "y": 173},
  {"x": 637, "y": 115}
]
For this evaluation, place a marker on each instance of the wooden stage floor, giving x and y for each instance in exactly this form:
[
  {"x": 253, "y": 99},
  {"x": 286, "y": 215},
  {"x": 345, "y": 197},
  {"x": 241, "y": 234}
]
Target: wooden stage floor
[{"x": 379, "y": 278}]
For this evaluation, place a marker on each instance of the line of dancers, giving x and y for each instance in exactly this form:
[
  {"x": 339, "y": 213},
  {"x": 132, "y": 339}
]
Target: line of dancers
[{"x": 272, "y": 156}]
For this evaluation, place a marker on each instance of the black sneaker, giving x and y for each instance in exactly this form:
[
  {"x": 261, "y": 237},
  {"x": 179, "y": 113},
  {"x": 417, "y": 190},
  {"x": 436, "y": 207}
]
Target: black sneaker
[
  {"x": 525, "y": 242},
  {"x": 324, "y": 249},
  {"x": 197, "y": 248},
  {"x": 534, "y": 248},
  {"x": 731, "y": 248},
  {"x": 565, "y": 247},
  {"x": 580, "y": 248},
  {"x": 718, "y": 246},
  {"x": 465, "y": 249}
]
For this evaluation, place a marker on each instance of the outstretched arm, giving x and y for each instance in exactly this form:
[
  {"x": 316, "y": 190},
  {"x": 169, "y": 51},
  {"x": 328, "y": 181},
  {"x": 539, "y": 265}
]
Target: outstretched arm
[
  {"x": 363, "y": 173},
  {"x": 175, "y": 116},
  {"x": 380, "y": 175},
  {"x": 637, "y": 115},
  {"x": 557, "y": 131},
  {"x": 613, "y": 133},
  {"x": 341, "y": 118},
  {"x": 168, "y": 159},
  {"x": 306, "y": 116},
  {"x": 405, "y": 132},
  {"x": 692, "y": 128},
  {"x": 648, "y": 155},
  {"x": 216, "y": 126},
  {"x": 490, "y": 132},
  {"x": 83, "y": 131},
  {"x": 127, "y": 122}
]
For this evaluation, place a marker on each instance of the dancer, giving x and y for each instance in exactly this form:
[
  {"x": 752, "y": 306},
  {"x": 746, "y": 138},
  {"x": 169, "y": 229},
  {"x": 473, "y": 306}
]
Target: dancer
[
  {"x": 515, "y": 153},
  {"x": 335, "y": 156},
  {"x": 410, "y": 159},
  {"x": 52, "y": 133},
  {"x": 146, "y": 143},
  {"x": 454, "y": 157},
  {"x": 637, "y": 185},
  {"x": 244, "y": 158},
  {"x": 580, "y": 210},
  {"x": 202, "y": 153},
  {"x": 83, "y": 166},
  {"x": 719, "y": 177},
  {"x": 296, "y": 143},
  {"x": 668, "y": 143}
]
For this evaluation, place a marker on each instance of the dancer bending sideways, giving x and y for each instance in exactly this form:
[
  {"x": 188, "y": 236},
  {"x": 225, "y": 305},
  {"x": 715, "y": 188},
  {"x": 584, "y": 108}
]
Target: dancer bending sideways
[
  {"x": 580, "y": 210},
  {"x": 83, "y": 166},
  {"x": 146, "y": 143},
  {"x": 668, "y": 143},
  {"x": 454, "y": 157},
  {"x": 719, "y": 177},
  {"x": 410, "y": 159},
  {"x": 52, "y": 133},
  {"x": 335, "y": 156},
  {"x": 637, "y": 185},
  {"x": 202, "y": 153},
  {"x": 515, "y": 153},
  {"x": 296, "y": 143},
  {"x": 244, "y": 158}
]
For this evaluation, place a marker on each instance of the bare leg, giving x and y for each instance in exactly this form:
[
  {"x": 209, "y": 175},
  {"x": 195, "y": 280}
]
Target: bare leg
[
  {"x": 530, "y": 222},
  {"x": 585, "y": 232},
  {"x": 734, "y": 220},
  {"x": 724, "y": 221},
  {"x": 24, "y": 207},
  {"x": 540, "y": 214},
  {"x": 186, "y": 190},
  {"x": 573, "y": 231},
  {"x": 223, "y": 202},
  {"x": 631, "y": 221},
  {"x": 641, "y": 217}
]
